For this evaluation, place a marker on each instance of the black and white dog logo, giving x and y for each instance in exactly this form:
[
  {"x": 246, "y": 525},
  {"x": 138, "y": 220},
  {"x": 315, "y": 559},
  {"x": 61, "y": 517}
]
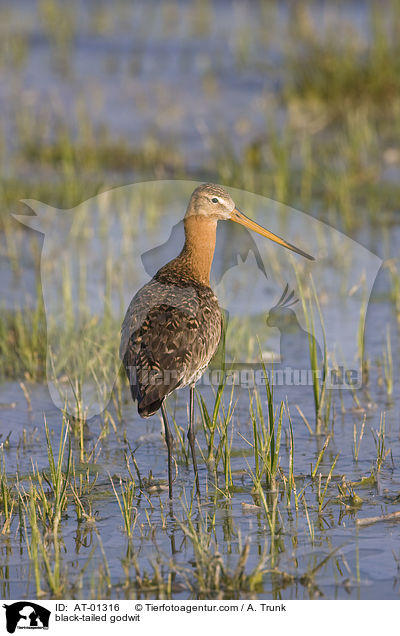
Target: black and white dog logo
[{"x": 26, "y": 615}]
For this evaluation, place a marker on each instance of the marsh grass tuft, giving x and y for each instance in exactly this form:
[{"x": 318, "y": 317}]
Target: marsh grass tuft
[
  {"x": 322, "y": 489},
  {"x": 266, "y": 436},
  {"x": 210, "y": 573},
  {"x": 322, "y": 394},
  {"x": 125, "y": 503},
  {"x": 357, "y": 443},
  {"x": 388, "y": 364},
  {"x": 380, "y": 443},
  {"x": 7, "y": 499}
]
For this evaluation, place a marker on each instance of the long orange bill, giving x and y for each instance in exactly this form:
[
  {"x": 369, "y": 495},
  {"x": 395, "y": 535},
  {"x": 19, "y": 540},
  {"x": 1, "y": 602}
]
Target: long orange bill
[{"x": 241, "y": 218}]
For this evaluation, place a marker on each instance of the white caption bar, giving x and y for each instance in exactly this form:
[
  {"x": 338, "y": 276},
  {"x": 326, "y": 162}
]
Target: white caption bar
[{"x": 151, "y": 617}]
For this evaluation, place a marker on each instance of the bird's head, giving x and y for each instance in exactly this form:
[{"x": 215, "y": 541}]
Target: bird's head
[{"x": 213, "y": 202}]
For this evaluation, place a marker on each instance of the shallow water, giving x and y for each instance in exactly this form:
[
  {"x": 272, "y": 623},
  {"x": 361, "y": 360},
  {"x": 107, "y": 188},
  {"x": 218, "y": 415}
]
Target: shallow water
[{"x": 364, "y": 565}]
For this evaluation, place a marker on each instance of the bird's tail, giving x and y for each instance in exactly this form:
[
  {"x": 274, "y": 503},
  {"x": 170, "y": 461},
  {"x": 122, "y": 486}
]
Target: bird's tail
[
  {"x": 148, "y": 401},
  {"x": 147, "y": 408}
]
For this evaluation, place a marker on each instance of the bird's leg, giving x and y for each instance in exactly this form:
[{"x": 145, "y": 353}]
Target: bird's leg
[
  {"x": 169, "y": 440},
  {"x": 192, "y": 438}
]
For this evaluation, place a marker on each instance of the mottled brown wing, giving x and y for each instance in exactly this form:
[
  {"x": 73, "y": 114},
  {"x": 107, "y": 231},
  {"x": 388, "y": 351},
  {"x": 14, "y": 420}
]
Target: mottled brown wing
[{"x": 169, "y": 335}]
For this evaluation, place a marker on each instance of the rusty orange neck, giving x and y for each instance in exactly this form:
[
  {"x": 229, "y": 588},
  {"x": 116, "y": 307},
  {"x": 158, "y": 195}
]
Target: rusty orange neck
[{"x": 198, "y": 251}]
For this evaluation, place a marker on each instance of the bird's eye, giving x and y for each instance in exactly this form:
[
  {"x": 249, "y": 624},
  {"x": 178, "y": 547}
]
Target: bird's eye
[{"x": 214, "y": 200}]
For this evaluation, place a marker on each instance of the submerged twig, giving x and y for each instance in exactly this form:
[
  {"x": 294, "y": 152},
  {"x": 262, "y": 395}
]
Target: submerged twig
[{"x": 366, "y": 521}]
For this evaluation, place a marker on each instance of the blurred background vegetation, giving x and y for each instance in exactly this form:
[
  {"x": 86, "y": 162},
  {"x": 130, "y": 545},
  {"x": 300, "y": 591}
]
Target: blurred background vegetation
[{"x": 296, "y": 101}]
